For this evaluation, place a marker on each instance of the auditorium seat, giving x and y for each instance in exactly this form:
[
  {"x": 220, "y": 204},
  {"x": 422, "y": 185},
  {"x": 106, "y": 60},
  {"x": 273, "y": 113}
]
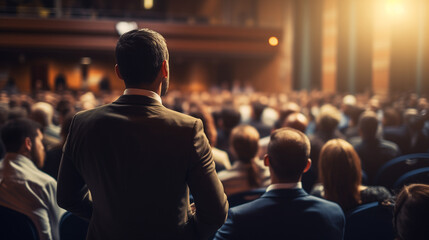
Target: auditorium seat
[
  {"x": 73, "y": 227},
  {"x": 420, "y": 175},
  {"x": 391, "y": 171},
  {"x": 15, "y": 225},
  {"x": 245, "y": 197},
  {"x": 369, "y": 221}
]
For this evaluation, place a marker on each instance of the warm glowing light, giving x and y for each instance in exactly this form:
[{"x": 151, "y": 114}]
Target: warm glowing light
[
  {"x": 147, "y": 4},
  {"x": 395, "y": 7},
  {"x": 273, "y": 41},
  {"x": 85, "y": 61}
]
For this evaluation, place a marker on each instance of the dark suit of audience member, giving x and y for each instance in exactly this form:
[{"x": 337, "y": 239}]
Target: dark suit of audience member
[
  {"x": 138, "y": 158},
  {"x": 394, "y": 131},
  {"x": 372, "y": 150},
  {"x": 285, "y": 211}
]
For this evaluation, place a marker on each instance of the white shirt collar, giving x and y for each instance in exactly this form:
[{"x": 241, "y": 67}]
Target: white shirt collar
[
  {"x": 296, "y": 185},
  {"x": 143, "y": 92}
]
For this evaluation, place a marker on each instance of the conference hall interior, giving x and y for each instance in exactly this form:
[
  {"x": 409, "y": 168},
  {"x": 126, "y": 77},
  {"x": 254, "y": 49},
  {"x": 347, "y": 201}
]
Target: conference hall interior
[{"x": 349, "y": 74}]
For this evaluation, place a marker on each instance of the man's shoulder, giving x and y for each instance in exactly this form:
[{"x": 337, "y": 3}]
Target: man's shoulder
[
  {"x": 298, "y": 203},
  {"x": 161, "y": 112}
]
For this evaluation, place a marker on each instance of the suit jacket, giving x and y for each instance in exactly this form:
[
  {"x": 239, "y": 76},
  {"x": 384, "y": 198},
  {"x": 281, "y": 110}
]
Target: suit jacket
[
  {"x": 138, "y": 159},
  {"x": 284, "y": 214}
]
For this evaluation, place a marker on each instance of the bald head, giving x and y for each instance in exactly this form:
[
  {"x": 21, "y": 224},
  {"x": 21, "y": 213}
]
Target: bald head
[
  {"x": 296, "y": 121},
  {"x": 288, "y": 154}
]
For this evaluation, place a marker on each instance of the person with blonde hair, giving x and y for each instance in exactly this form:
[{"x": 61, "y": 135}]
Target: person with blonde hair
[{"x": 340, "y": 176}]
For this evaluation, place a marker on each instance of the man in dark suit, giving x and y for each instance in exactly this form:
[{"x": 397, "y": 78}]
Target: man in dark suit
[
  {"x": 285, "y": 211},
  {"x": 138, "y": 158}
]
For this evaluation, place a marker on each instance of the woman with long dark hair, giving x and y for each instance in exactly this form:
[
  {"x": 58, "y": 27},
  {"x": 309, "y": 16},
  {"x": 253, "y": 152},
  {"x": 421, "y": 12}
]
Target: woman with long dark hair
[{"x": 340, "y": 176}]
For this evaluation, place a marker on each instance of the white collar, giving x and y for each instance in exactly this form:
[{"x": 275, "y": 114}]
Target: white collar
[
  {"x": 296, "y": 185},
  {"x": 143, "y": 92},
  {"x": 20, "y": 159}
]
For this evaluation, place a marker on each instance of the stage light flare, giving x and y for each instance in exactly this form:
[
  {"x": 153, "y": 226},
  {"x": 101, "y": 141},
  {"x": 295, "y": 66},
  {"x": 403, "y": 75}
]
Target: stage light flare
[
  {"x": 273, "y": 41},
  {"x": 395, "y": 7}
]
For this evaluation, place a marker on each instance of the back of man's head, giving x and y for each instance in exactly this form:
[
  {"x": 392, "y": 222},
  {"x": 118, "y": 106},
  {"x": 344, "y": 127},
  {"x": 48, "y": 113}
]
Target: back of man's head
[
  {"x": 13, "y": 134},
  {"x": 139, "y": 55},
  {"x": 296, "y": 121},
  {"x": 288, "y": 154},
  {"x": 42, "y": 112},
  {"x": 368, "y": 124},
  {"x": 328, "y": 118}
]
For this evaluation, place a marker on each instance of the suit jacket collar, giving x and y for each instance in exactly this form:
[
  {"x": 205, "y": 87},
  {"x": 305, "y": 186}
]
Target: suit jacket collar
[
  {"x": 137, "y": 100},
  {"x": 285, "y": 193}
]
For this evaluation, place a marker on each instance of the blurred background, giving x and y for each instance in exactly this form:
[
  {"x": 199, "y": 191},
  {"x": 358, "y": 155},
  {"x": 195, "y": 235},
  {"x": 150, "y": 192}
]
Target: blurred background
[{"x": 333, "y": 46}]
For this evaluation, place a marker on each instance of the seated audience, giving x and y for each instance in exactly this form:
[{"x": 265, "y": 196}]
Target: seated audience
[
  {"x": 326, "y": 129},
  {"x": 220, "y": 157},
  {"x": 285, "y": 211},
  {"x": 43, "y": 113},
  {"x": 248, "y": 171},
  {"x": 340, "y": 175},
  {"x": 24, "y": 188},
  {"x": 411, "y": 211},
  {"x": 229, "y": 117},
  {"x": 373, "y": 151},
  {"x": 53, "y": 156},
  {"x": 394, "y": 131}
]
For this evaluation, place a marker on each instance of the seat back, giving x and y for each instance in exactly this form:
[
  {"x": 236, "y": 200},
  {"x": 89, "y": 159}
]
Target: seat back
[
  {"x": 390, "y": 172},
  {"x": 245, "y": 197},
  {"x": 73, "y": 227},
  {"x": 369, "y": 221},
  {"x": 416, "y": 176},
  {"x": 15, "y": 225}
]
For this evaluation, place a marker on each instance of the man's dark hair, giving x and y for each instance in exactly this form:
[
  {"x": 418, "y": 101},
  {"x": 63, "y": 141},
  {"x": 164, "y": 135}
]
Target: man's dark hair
[
  {"x": 139, "y": 55},
  {"x": 288, "y": 152},
  {"x": 13, "y": 134},
  {"x": 368, "y": 124}
]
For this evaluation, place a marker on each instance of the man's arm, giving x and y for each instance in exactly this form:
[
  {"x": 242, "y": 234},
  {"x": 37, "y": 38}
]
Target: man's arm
[
  {"x": 210, "y": 200},
  {"x": 72, "y": 192}
]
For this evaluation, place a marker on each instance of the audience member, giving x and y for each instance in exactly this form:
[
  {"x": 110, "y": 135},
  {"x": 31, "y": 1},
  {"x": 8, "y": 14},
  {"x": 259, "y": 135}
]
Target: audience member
[
  {"x": 326, "y": 129},
  {"x": 340, "y": 176},
  {"x": 228, "y": 119},
  {"x": 394, "y": 131},
  {"x": 43, "y": 113},
  {"x": 139, "y": 159},
  {"x": 285, "y": 211},
  {"x": 372, "y": 149},
  {"x": 247, "y": 172},
  {"x": 53, "y": 156},
  {"x": 411, "y": 211},
  {"x": 219, "y": 156},
  {"x": 24, "y": 188}
]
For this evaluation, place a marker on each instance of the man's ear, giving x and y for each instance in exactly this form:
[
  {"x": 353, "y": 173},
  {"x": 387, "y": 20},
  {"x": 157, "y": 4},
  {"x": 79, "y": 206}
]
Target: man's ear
[
  {"x": 27, "y": 144},
  {"x": 307, "y": 167},
  {"x": 118, "y": 73},
  {"x": 164, "y": 69},
  {"x": 266, "y": 160}
]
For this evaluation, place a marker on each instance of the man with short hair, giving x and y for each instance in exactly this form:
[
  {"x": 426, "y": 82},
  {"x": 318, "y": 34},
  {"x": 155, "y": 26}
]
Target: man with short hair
[
  {"x": 373, "y": 151},
  {"x": 24, "y": 188},
  {"x": 285, "y": 211},
  {"x": 139, "y": 159}
]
